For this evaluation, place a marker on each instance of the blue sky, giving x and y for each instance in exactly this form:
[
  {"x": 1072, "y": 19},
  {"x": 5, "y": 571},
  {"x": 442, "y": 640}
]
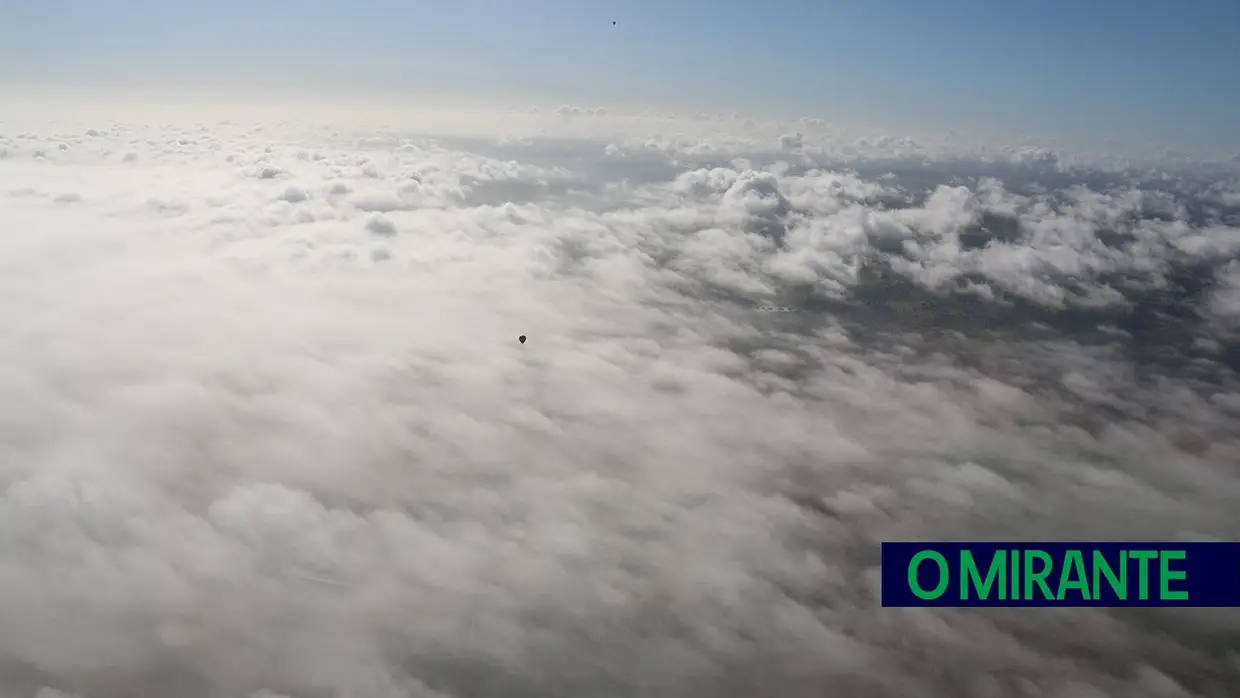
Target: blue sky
[{"x": 1164, "y": 70}]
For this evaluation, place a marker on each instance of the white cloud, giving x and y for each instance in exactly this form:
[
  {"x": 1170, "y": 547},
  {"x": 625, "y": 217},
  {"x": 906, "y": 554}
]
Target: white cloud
[
  {"x": 791, "y": 141},
  {"x": 1225, "y": 301},
  {"x": 268, "y": 430}
]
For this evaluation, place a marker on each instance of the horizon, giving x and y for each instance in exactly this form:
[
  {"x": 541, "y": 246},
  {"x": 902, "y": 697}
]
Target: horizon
[{"x": 1143, "y": 74}]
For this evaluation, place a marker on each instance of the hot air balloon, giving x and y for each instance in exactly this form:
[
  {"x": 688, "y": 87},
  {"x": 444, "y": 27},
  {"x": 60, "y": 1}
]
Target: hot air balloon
[{"x": 521, "y": 339}]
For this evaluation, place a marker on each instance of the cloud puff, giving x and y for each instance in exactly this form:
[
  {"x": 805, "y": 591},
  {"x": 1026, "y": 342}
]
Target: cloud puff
[
  {"x": 269, "y": 432},
  {"x": 566, "y": 110},
  {"x": 791, "y": 141},
  {"x": 1225, "y": 301}
]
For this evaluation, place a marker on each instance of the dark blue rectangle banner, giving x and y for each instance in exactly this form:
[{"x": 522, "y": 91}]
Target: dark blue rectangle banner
[{"x": 1061, "y": 574}]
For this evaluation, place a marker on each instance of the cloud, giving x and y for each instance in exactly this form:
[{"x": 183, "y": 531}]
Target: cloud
[
  {"x": 791, "y": 141},
  {"x": 269, "y": 432},
  {"x": 569, "y": 111},
  {"x": 1225, "y": 301}
]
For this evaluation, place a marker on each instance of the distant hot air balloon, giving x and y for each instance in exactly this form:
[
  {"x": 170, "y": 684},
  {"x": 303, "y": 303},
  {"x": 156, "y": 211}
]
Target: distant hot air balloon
[{"x": 521, "y": 339}]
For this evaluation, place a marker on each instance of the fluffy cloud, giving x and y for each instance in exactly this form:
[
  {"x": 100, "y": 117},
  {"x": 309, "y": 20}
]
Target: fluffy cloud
[
  {"x": 567, "y": 110},
  {"x": 268, "y": 430},
  {"x": 791, "y": 141}
]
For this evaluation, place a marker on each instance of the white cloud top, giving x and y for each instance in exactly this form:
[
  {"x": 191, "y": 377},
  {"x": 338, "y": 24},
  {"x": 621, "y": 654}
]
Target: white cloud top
[{"x": 267, "y": 428}]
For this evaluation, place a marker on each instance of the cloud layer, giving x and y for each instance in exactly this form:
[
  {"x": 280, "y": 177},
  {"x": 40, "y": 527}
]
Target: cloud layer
[{"x": 268, "y": 430}]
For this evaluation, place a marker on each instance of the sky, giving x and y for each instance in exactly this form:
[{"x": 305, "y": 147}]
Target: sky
[{"x": 1128, "y": 70}]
